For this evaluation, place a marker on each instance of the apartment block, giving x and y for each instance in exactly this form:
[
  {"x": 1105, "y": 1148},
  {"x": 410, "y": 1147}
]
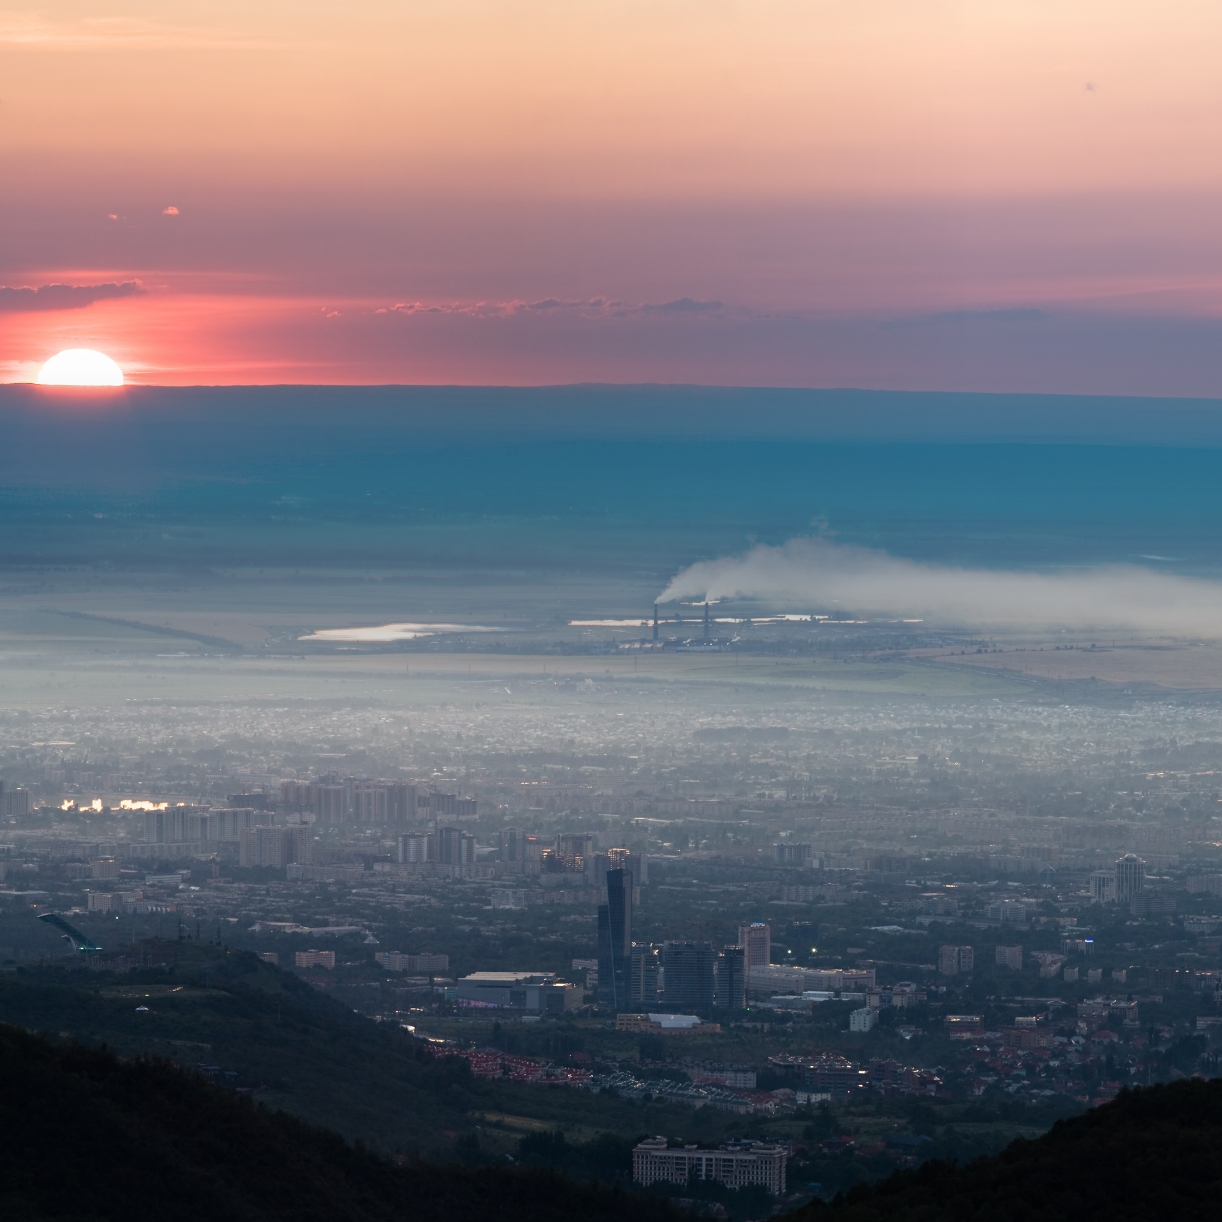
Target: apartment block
[
  {"x": 737, "y": 1164},
  {"x": 315, "y": 958},
  {"x": 955, "y": 959}
]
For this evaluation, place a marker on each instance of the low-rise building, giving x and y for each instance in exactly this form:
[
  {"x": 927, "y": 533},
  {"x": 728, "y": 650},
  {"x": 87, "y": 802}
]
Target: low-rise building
[
  {"x": 315, "y": 958},
  {"x": 531, "y": 992},
  {"x": 893, "y": 1077},
  {"x": 739, "y": 1164},
  {"x": 666, "y": 1024},
  {"x": 393, "y": 961},
  {"x": 781, "y": 978},
  {"x": 113, "y": 901},
  {"x": 901, "y": 995},
  {"x": 865, "y": 1019},
  {"x": 964, "y": 1026},
  {"x": 833, "y": 1075}
]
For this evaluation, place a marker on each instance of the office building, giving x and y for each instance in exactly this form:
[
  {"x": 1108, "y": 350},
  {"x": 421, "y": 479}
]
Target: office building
[
  {"x": 1010, "y": 956},
  {"x": 1130, "y": 877},
  {"x": 687, "y": 975},
  {"x": 105, "y": 867},
  {"x": 739, "y": 1164},
  {"x": 615, "y": 941},
  {"x": 756, "y": 941},
  {"x": 730, "y": 981},
  {"x": 955, "y": 959}
]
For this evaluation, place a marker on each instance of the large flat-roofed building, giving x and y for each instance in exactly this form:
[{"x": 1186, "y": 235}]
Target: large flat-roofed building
[
  {"x": 534, "y": 992},
  {"x": 833, "y": 1075},
  {"x": 780, "y": 978},
  {"x": 738, "y": 1164},
  {"x": 666, "y": 1024},
  {"x": 394, "y": 961}
]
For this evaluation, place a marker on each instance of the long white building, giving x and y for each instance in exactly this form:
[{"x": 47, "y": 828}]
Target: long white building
[{"x": 736, "y": 1164}]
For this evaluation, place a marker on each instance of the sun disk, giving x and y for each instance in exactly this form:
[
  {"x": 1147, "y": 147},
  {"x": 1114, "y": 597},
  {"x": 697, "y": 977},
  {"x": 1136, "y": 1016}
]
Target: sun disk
[{"x": 80, "y": 367}]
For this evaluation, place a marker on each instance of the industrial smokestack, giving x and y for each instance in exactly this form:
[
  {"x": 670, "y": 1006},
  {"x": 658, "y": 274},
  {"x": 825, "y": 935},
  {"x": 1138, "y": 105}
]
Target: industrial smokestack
[
  {"x": 707, "y": 633},
  {"x": 655, "y": 621}
]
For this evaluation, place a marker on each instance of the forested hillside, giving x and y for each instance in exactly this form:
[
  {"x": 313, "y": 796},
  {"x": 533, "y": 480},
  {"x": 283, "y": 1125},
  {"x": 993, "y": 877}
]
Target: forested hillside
[
  {"x": 89, "y": 1138},
  {"x": 1154, "y": 1153}
]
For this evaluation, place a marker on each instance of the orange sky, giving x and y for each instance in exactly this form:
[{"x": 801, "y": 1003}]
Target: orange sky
[{"x": 823, "y": 171}]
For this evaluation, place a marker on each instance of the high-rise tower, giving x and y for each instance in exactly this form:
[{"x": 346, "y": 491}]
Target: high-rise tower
[{"x": 615, "y": 941}]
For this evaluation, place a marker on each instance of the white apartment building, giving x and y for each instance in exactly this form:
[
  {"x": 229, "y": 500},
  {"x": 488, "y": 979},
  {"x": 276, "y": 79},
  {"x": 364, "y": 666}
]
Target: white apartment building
[
  {"x": 736, "y": 1164},
  {"x": 865, "y": 1019}
]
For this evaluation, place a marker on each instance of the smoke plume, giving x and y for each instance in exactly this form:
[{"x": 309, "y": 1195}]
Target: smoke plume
[{"x": 819, "y": 575}]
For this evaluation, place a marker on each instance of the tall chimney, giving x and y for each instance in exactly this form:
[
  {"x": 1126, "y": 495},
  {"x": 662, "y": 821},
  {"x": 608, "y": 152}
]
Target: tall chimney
[
  {"x": 707, "y": 634},
  {"x": 655, "y": 621}
]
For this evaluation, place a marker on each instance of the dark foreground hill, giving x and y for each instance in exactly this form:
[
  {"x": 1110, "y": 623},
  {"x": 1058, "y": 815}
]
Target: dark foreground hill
[
  {"x": 85, "y": 1137},
  {"x": 1154, "y": 1153},
  {"x": 302, "y": 1051}
]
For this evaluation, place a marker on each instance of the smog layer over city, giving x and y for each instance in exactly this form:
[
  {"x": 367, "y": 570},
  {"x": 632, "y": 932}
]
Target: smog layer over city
[{"x": 851, "y": 799}]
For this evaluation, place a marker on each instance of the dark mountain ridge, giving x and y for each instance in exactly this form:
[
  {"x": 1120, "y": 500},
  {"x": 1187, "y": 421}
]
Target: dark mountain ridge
[
  {"x": 86, "y": 1137},
  {"x": 1154, "y": 1152}
]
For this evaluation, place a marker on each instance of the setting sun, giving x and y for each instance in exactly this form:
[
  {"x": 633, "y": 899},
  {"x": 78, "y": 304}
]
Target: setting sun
[{"x": 80, "y": 367}]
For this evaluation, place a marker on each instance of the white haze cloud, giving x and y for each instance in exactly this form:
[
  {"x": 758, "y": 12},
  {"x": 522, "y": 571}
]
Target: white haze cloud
[{"x": 817, "y": 573}]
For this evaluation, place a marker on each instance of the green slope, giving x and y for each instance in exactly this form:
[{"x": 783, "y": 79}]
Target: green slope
[
  {"x": 85, "y": 1137},
  {"x": 300, "y": 1050},
  {"x": 1153, "y": 1153}
]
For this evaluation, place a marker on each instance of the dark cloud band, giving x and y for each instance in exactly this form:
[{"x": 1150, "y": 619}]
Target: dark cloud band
[{"x": 64, "y": 296}]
